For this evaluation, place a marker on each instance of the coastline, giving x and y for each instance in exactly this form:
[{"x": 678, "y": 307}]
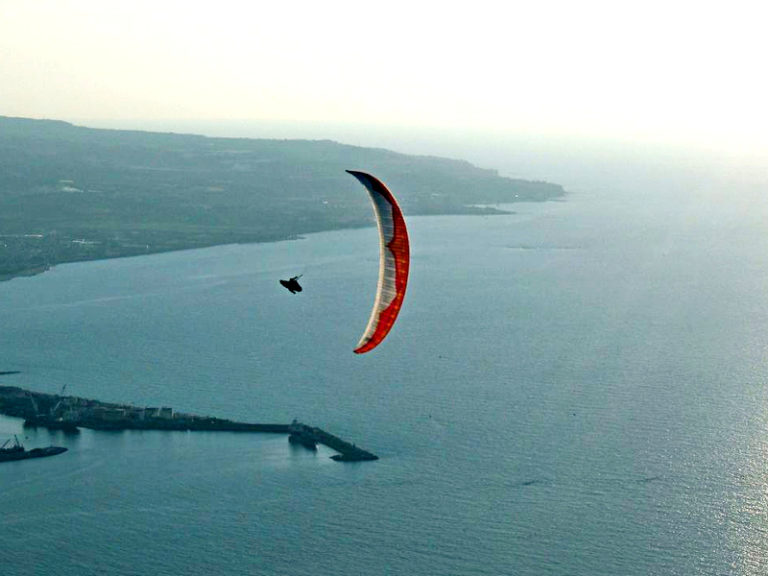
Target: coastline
[
  {"x": 470, "y": 210},
  {"x": 75, "y": 194},
  {"x": 27, "y": 272}
]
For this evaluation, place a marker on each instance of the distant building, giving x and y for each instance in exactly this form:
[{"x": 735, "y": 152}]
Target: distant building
[
  {"x": 134, "y": 413},
  {"x": 106, "y": 413},
  {"x": 164, "y": 413}
]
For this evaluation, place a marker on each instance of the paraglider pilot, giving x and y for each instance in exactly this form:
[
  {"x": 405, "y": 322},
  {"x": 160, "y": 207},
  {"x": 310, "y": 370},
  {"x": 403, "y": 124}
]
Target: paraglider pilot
[{"x": 293, "y": 284}]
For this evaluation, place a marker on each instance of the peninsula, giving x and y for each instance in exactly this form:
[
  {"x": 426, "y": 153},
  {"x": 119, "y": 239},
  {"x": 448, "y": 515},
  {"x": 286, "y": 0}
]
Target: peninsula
[
  {"x": 69, "y": 413},
  {"x": 70, "y": 193}
]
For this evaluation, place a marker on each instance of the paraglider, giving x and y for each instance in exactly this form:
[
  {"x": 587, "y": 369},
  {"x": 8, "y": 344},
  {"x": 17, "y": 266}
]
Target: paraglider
[
  {"x": 394, "y": 260},
  {"x": 292, "y": 284}
]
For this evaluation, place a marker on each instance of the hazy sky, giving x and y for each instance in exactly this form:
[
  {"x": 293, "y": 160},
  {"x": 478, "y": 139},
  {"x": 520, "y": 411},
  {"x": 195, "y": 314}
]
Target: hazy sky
[{"x": 679, "y": 71}]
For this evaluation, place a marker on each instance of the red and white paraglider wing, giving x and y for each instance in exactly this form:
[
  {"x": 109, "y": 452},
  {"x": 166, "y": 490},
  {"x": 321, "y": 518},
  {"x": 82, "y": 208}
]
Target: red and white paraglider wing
[{"x": 394, "y": 260}]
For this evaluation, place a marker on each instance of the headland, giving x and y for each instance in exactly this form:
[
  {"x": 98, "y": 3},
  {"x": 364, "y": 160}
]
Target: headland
[{"x": 71, "y": 194}]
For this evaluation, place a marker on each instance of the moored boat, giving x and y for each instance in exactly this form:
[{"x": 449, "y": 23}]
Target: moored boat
[{"x": 18, "y": 452}]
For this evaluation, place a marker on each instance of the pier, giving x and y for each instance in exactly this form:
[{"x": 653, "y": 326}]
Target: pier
[{"x": 70, "y": 413}]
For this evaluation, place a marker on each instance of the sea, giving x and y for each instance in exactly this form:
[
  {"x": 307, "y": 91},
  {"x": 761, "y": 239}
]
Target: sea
[{"x": 579, "y": 387}]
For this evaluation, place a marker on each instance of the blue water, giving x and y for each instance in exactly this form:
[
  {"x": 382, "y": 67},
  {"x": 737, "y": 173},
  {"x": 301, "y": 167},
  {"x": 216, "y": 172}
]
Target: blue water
[{"x": 578, "y": 388}]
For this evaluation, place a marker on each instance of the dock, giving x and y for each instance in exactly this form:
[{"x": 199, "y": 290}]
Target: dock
[
  {"x": 70, "y": 413},
  {"x": 346, "y": 452}
]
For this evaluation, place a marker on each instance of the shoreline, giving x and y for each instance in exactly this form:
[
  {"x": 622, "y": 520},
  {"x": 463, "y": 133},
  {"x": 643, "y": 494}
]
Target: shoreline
[
  {"x": 472, "y": 210},
  {"x": 74, "y": 194},
  {"x": 26, "y": 272}
]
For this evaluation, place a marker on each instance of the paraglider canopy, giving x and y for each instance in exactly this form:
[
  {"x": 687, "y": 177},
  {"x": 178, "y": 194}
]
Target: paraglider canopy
[{"x": 394, "y": 261}]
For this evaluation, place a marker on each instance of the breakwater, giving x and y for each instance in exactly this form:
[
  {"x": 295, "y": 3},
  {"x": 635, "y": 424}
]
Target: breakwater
[{"x": 70, "y": 413}]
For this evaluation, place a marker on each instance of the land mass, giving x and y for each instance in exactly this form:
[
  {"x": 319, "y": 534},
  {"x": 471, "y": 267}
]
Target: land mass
[
  {"x": 69, "y": 413},
  {"x": 70, "y": 193}
]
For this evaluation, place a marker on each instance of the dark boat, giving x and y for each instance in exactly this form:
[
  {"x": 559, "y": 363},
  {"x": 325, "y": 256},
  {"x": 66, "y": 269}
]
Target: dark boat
[
  {"x": 359, "y": 456},
  {"x": 51, "y": 424},
  {"x": 18, "y": 452}
]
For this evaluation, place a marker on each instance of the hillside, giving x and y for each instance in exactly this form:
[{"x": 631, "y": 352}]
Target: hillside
[{"x": 70, "y": 193}]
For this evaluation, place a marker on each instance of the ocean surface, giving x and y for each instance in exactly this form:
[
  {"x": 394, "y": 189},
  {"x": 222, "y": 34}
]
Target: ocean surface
[{"x": 578, "y": 388}]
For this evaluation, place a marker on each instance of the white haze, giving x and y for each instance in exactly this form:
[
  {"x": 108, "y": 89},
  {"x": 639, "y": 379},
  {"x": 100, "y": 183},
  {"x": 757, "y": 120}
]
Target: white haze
[{"x": 661, "y": 74}]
